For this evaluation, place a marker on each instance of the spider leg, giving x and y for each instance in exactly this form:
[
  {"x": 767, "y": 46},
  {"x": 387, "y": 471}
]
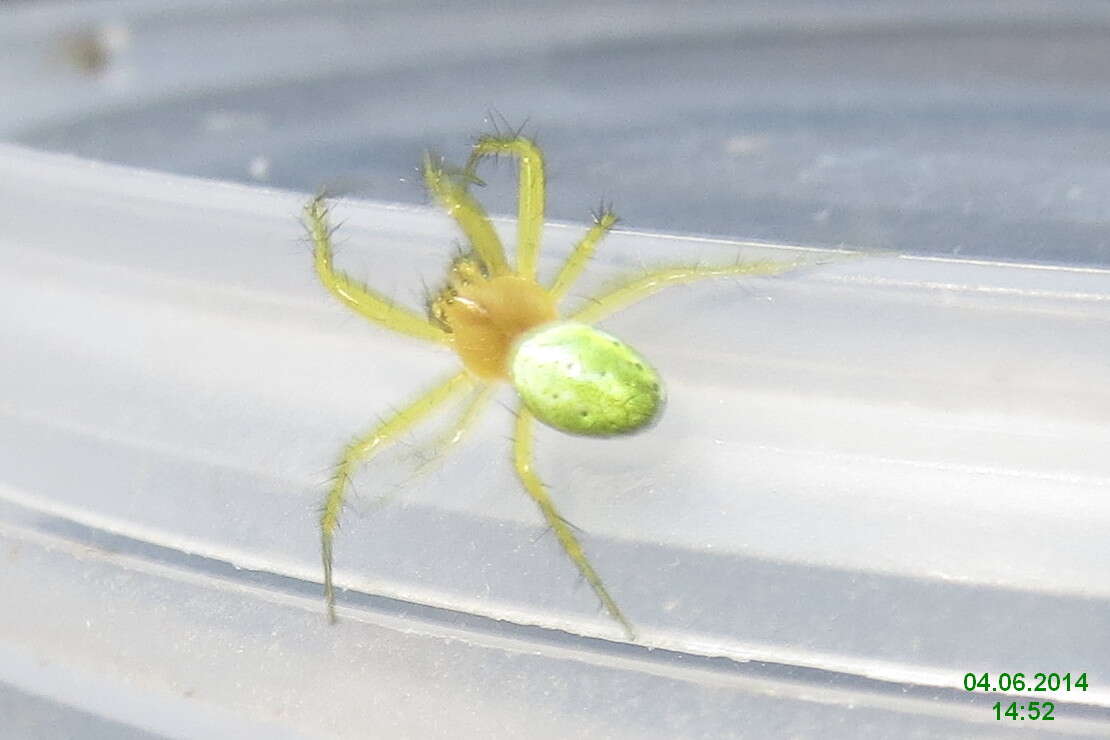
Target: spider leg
[
  {"x": 530, "y": 198},
  {"x": 473, "y": 410},
  {"x": 363, "y": 300},
  {"x": 652, "y": 282},
  {"x": 522, "y": 460},
  {"x": 604, "y": 220},
  {"x": 442, "y": 446},
  {"x": 363, "y": 448},
  {"x": 450, "y": 191}
]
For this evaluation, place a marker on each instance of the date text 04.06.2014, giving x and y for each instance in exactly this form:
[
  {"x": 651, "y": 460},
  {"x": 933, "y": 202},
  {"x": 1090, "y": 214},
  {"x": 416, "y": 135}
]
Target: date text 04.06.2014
[{"x": 1014, "y": 682}]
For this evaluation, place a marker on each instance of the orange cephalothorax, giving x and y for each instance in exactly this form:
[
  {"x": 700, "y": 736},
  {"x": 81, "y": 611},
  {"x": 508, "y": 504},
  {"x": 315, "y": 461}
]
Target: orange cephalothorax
[{"x": 486, "y": 315}]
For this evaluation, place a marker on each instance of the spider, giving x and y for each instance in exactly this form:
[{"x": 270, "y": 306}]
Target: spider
[{"x": 505, "y": 325}]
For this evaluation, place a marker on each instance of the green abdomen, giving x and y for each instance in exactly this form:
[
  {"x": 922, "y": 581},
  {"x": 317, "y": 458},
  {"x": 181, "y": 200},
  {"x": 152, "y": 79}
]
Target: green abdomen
[{"x": 584, "y": 381}]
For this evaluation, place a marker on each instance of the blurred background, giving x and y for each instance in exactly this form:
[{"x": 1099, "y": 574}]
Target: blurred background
[
  {"x": 972, "y": 128},
  {"x": 873, "y": 477}
]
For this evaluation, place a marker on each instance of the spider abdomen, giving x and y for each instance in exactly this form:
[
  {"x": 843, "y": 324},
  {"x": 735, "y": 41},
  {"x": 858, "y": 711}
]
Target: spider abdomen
[{"x": 583, "y": 381}]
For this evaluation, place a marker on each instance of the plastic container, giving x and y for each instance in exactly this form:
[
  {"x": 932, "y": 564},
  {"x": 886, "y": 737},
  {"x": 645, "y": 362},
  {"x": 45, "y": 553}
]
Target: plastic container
[{"x": 873, "y": 477}]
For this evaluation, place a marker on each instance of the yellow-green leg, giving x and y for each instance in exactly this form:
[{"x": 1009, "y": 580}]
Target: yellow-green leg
[
  {"x": 363, "y": 449},
  {"x": 522, "y": 460},
  {"x": 363, "y": 300},
  {"x": 465, "y": 421},
  {"x": 450, "y": 191},
  {"x": 531, "y": 197},
  {"x": 652, "y": 282},
  {"x": 438, "y": 450},
  {"x": 576, "y": 263}
]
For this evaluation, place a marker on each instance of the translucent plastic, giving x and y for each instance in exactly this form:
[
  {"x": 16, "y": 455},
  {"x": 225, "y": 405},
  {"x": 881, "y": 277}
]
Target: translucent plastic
[{"x": 872, "y": 477}]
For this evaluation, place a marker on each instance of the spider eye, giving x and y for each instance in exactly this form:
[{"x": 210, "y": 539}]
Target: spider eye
[{"x": 583, "y": 381}]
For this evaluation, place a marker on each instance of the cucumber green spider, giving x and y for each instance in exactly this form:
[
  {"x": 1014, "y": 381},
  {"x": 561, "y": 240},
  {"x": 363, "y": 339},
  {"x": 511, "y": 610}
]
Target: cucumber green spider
[{"x": 507, "y": 326}]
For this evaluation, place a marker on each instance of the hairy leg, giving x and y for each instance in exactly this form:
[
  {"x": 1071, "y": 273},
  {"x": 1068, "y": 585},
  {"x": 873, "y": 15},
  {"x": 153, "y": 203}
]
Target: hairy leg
[
  {"x": 465, "y": 421},
  {"x": 652, "y": 282},
  {"x": 355, "y": 295},
  {"x": 583, "y": 250},
  {"x": 450, "y": 191},
  {"x": 523, "y": 461},
  {"x": 362, "y": 449},
  {"x": 531, "y": 197}
]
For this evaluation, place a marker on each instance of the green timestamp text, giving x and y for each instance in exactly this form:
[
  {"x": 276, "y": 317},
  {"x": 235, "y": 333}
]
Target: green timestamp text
[
  {"x": 1034, "y": 710},
  {"x": 1023, "y": 682}
]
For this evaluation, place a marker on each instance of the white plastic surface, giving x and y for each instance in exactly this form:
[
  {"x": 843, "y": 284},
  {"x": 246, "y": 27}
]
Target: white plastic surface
[
  {"x": 826, "y": 490},
  {"x": 873, "y": 476}
]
